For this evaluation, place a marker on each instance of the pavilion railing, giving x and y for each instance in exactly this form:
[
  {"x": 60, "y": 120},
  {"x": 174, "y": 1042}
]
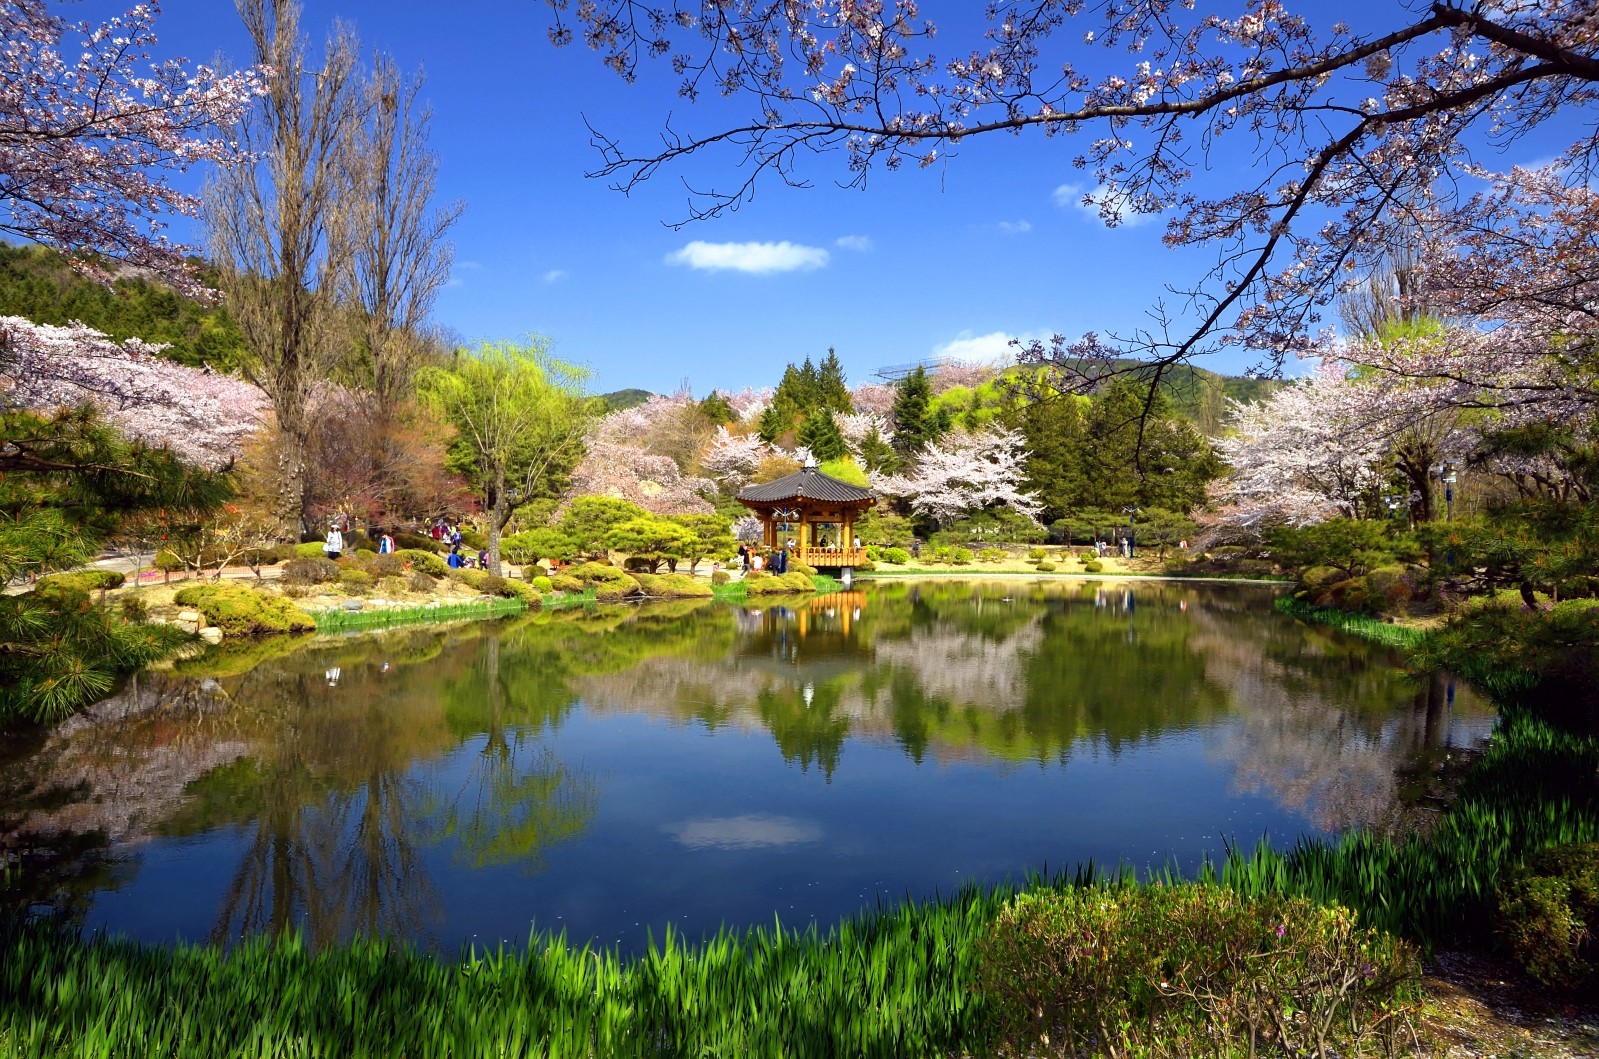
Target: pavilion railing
[{"x": 831, "y": 556}]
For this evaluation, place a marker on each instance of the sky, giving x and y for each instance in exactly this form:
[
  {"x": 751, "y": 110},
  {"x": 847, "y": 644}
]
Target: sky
[{"x": 951, "y": 260}]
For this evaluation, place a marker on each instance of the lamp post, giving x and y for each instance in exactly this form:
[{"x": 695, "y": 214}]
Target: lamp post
[
  {"x": 1448, "y": 475},
  {"x": 1132, "y": 523}
]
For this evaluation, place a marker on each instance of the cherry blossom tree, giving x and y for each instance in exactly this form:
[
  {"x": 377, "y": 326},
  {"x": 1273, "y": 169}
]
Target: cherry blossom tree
[
  {"x": 963, "y": 473},
  {"x": 92, "y": 129},
  {"x": 873, "y": 399},
  {"x": 733, "y": 459},
  {"x": 654, "y": 483},
  {"x": 203, "y": 416},
  {"x": 1336, "y": 135}
]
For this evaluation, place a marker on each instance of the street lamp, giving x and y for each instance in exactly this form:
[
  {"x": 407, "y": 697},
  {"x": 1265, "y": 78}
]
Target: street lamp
[
  {"x": 1132, "y": 521},
  {"x": 1448, "y": 475}
]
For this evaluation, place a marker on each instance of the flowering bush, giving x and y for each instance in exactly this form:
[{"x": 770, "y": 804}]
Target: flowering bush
[{"x": 1188, "y": 970}]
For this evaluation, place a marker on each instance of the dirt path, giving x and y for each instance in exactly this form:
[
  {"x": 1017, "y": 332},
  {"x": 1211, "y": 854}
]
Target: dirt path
[{"x": 1479, "y": 1008}]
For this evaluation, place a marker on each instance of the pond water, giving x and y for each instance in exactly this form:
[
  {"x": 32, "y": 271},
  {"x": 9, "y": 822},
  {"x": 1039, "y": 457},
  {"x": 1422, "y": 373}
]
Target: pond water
[{"x": 619, "y": 769}]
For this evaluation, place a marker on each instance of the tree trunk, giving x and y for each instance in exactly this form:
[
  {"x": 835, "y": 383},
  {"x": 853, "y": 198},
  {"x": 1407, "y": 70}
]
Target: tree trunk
[
  {"x": 498, "y": 517},
  {"x": 1527, "y": 596},
  {"x": 289, "y": 509}
]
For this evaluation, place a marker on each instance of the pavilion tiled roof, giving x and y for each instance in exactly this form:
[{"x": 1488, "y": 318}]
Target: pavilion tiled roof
[{"x": 808, "y": 484}]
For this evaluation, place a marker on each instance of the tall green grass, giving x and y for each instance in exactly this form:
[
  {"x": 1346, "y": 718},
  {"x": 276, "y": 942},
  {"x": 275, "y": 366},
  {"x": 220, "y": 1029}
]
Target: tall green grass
[
  {"x": 1364, "y": 626},
  {"x": 339, "y": 620}
]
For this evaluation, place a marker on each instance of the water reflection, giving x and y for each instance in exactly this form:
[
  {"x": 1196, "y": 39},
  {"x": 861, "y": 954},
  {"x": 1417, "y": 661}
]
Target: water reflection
[{"x": 557, "y": 764}]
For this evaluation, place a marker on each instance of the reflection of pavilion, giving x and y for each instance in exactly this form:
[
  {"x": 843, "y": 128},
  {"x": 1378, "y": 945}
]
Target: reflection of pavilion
[{"x": 817, "y": 636}]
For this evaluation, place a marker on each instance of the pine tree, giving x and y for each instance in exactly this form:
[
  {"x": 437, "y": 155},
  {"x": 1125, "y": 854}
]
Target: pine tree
[
  {"x": 1056, "y": 454},
  {"x": 821, "y": 435},
  {"x": 877, "y": 455},
  {"x": 774, "y": 423},
  {"x": 717, "y": 409},
  {"x": 832, "y": 390},
  {"x": 914, "y": 425}
]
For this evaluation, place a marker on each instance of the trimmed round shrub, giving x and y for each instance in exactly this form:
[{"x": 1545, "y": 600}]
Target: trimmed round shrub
[
  {"x": 133, "y": 608},
  {"x": 241, "y": 611},
  {"x": 541, "y": 582},
  {"x": 991, "y": 555},
  {"x": 1093, "y": 566},
  {"x": 430, "y": 563},
  {"x": 566, "y": 583},
  {"x": 352, "y": 577},
  {"x": 76, "y": 586},
  {"x": 721, "y": 577},
  {"x": 672, "y": 586},
  {"x": 317, "y": 571},
  {"x": 1046, "y": 567},
  {"x": 1036, "y": 554},
  {"x": 390, "y": 565},
  {"x": 961, "y": 556},
  {"x": 310, "y": 550},
  {"x": 523, "y": 591},
  {"x": 801, "y": 568},
  {"x": 1191, "y": 970},
  {"x": 1549, "y": 915},
  {"x": 419, "y": 541},
  {"x": 897, "y": 556}
]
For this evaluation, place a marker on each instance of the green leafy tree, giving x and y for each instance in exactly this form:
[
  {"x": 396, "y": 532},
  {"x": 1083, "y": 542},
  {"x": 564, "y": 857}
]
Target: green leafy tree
[
  {"x": 877, "y": 455},
  {"x": 652, "y": 539},
  {"x": 845, "y": 470},
  {"x": 546, "y": 542},
  {"x": 1056, "y": 460},
  {"x": 66, "y": 484},
  {"x": 1353, "y": 546},
  {"x": 914, "y": 422},
  {"x": 821, "y": 435},
  {"x": 590, "y": 518},
  {"x": 519, "y": 416},
  {"x": 716, "y": 408},
  {"x": 713, "y": 537}
]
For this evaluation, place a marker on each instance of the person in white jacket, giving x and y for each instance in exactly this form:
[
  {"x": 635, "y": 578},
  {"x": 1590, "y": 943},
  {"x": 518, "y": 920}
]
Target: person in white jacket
[{"x": 335, "y": 544}]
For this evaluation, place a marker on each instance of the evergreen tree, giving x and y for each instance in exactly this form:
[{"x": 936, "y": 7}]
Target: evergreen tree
[
  {"x": 821, "y": 435},
  {"x": 832, "y": 390},
  {"x": 1056, "y": 453},
  {"x": 914, "y": 424},
  {"x": 877, "y": 455},
  {"x": 716, "y": 408},
  {"x": 773, "y": 424}
]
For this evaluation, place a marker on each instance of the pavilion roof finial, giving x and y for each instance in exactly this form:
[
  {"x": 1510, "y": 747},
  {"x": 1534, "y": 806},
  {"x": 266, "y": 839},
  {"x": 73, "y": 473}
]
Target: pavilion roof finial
[{"x": 810, "y": 461}]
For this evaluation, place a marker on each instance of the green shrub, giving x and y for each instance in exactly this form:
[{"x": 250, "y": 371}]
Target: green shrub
[
  {"x": 362, "y": 556},
  {"x": 1093, "y": 566},
  {"x": 1188, "y": 970},
  {"x": 541, "y": 582},
  {"x": 897, "y": 556},
  {"x": 1319, "y": 577},
  {"x": 353, "y": 577},
  {"x": 77, "y": 585},
  {"x": 1549, "y": 915},
  {"x": 167, "y": 560},
  {"x": 672, "y": 586},
  {"x": 417, "y": 541},
  {"x": 721, "y": 577},
  {"x": 961, "y": 556},
  {"x": 796, "y": 567},
  {"x": 310, "y": 550},
  {"x": 523, "y": 591},
  {"x": 241, "y": 611},
  {"x": 873, "y": 552},
  {"x": 1037, "y": 554},
  {"x": 430, "y": 563},
  {"x": 310, "y": 571},
  {"x": 420, "y": 582},
  {"x": 386, "y": 566},
  {"x": 602, "y": 575},
  {"x": 991, "y": 555},
  {"x": 865, "y": 565},
  {"x": 566, "y": 583},
  {"x": 1046, "y": 567},
  {"x": 320, "y": 570},
  {"x": 766, "y": 584}
]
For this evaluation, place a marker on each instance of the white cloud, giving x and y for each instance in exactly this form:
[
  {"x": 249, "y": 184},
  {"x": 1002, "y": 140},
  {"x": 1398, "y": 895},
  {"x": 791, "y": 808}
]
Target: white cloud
[
  {"x": 979, "y": 349},
  {"x": 555, "y": 275},
  {"x": 469, "y": 264},
  {"x": 858, "y": 243},
  {"x": 455, "y": 281},
  {"x": 751, "y": 831},
  {"x": 1015, "y": 227},
  {"x": 756, "y": 258},
  {"x": 1072, "y": 195}
]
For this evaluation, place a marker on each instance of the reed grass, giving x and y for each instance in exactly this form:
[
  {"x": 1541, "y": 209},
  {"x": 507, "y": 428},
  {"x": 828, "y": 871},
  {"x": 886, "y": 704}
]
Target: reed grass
[
  {"x": 1361, "y": 625},
  {"x": 336, "y": 619}
]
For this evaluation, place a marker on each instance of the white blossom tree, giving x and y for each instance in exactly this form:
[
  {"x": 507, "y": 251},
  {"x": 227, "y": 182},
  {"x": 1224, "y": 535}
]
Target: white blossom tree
[
  {"x": 964, "y": 473},
  {"x": 733, "y": 459},
  {"x": 654, "y": 483},
  {"x": 92, "y": 128}
]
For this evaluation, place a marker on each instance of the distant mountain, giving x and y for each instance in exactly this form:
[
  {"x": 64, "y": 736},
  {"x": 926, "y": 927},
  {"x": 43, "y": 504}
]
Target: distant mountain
[
  {"x": 617, "y": 400},
  {"x": 1200, "y": 395}
]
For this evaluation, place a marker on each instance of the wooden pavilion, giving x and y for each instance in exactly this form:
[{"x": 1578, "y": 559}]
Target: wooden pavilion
[{"x": 814, "y": 509}]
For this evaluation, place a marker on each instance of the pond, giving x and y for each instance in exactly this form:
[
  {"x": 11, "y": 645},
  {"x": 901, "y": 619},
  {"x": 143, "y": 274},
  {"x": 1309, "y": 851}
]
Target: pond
[{"x": 616, "y": 770}]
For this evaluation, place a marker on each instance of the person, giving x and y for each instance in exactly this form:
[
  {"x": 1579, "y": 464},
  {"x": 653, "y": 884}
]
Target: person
[
  {"x": 916, "y": 548},
  {"x": 744, "y": 557},
  {"x": 483, "y": 559},
  {"x": 386, "y": 544},
  {"x": 334, "y": 546},
  {"x": 455, "y": 560},
  {"x": 755, "y": 562},
  {"x": 455, "y": 536},
  {"x": 780, "y": 562},
  {"x": 857, "y": 542},
  {"x": 437, "y": 532},
  {"x": 1182, "y": 545}
]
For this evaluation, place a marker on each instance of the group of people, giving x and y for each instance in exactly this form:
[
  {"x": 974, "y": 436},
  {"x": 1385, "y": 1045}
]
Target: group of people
[
  {"x": 754, "y": 559},
  {"x": 333, "y": 547}
]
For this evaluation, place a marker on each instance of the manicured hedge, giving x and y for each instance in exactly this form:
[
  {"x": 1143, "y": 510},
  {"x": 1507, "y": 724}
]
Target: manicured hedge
[{"x": 241, "y": 611}]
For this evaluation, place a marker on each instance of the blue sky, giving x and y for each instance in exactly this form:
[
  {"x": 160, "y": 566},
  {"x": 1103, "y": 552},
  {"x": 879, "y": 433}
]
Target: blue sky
[{"x": 952, "y": 259}]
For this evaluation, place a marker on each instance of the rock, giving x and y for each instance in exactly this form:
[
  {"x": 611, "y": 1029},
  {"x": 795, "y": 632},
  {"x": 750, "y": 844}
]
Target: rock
[
  {"x": 353, "y": 604},
  {"x": 189, "y": 616},
  {"x": 187, "y": 626},
  {"x": 211, "y": 634}
]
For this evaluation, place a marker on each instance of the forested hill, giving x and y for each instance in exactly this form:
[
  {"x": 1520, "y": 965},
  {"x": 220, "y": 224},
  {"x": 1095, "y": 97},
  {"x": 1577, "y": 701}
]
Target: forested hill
[
  {"x": 1200, "y": 396},
  {"x": 39, "y": 284}
]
